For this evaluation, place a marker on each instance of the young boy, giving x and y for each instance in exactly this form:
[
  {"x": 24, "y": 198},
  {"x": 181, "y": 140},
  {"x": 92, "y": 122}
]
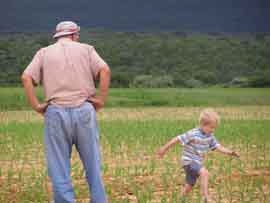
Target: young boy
[{"x": 196, "y": 143}]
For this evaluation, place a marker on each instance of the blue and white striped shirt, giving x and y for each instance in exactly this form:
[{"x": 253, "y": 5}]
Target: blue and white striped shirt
[{"x": 196, "y": 145}]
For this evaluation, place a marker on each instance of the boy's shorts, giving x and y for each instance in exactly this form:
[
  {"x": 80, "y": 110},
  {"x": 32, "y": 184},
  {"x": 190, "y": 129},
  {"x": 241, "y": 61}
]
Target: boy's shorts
[{"x": 192, "y": 171}]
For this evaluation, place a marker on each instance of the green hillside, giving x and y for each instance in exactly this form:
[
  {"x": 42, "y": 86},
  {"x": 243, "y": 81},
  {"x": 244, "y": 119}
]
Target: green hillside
[{"x": 157, "y": 59}]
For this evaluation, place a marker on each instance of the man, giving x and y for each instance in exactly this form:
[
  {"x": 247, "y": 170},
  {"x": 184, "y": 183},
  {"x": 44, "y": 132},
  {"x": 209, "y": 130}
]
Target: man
[{"x": 68, "y": 70}]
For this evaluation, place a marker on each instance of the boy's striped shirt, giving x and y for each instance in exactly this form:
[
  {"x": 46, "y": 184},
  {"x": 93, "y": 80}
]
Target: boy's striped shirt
[{"x": 196, "y": 144}]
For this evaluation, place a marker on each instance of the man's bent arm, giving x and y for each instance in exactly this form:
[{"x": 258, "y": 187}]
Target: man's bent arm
[
  {"x": 30, "y": 94},
  {"x": 105, "y": 78}
]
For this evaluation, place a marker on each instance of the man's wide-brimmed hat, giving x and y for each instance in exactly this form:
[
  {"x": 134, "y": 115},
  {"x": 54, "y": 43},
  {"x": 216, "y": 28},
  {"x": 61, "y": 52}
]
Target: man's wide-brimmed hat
[{"x": 66, "y": 28}]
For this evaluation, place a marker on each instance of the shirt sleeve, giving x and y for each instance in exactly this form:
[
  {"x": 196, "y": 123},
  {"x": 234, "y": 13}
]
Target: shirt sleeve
[
  {"x": 96, "y": 62},
  {"x": 34, "y": 69},
  {"x": 213, "y": 143},
  {"x": 186, "y": 137}
]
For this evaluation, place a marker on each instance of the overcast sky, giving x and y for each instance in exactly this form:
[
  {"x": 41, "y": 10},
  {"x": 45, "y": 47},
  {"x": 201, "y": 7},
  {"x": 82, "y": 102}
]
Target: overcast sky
[{"x": 138, "y": 15}]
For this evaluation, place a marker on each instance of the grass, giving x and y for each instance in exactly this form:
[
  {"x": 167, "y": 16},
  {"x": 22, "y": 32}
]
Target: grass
[
  {"x": 135, "y": 124},
  {"x": 130, "y": 170},
  {"x": 14, "y": 99}
]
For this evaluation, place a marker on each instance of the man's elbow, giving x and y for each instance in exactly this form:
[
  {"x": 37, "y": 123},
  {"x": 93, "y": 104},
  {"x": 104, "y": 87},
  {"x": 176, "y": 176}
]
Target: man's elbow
[
  {"x": 25, "y": 78},
  {"x": 106, "y": 70}
]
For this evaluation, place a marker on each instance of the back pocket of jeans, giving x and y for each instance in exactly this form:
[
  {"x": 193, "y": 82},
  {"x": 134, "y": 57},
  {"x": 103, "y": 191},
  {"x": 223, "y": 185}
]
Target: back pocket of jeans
[
  {"x": 85, "y": 117},
  {"x": 53, "y": 122}
]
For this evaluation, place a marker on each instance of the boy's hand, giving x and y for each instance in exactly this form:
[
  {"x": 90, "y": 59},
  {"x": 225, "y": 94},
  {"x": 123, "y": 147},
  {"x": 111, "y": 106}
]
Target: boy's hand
[
  {"x": 226, "y": 151},
  {"x": 160, "y": 153},
  {"x": 235, "y": 154}
]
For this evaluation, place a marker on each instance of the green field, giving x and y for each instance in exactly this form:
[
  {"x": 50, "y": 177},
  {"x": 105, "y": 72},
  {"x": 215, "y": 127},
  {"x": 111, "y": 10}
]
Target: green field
[
  {"x": 14, "y": 99},
  {"x": 133, "y": 126}
]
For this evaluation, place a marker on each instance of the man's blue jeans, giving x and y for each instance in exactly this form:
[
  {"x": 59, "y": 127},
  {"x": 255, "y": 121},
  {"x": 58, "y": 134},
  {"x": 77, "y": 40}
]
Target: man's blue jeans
[{"x": 63, "y": 128}]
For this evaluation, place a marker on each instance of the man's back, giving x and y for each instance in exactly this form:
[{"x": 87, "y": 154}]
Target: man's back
[{"x": 67, "y": 70}]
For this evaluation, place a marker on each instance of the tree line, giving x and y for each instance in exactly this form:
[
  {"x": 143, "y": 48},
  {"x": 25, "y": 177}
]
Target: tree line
[{"x": 154, "y": 60}]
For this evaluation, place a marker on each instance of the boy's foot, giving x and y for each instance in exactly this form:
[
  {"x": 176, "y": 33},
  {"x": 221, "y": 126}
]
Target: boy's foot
[
  {"x": 183, "y": 200},
  {"x": 206, "y": 200}
]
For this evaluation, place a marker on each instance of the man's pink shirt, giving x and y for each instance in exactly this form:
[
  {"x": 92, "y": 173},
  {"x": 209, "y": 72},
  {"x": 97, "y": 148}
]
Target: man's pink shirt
[{"x": 67, "y": 71}]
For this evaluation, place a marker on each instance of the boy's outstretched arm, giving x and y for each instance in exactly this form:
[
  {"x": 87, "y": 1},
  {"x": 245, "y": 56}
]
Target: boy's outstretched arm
[
  {"x": 162, "y": 151},
  {"x": 224, "y": 150}
]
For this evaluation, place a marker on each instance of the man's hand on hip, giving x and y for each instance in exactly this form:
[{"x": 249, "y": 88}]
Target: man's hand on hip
[
  {"x": 98, "y": 102},
  {"x": 105, "y": 77},
  {"x": 41, "y": 108},
  {"x": 31, "y": 96}
]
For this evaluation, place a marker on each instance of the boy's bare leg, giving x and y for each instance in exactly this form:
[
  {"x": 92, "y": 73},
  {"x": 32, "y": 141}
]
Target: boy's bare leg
[
  {"x": 186, "y": 189},
  {"x": 204, "y": 182}
]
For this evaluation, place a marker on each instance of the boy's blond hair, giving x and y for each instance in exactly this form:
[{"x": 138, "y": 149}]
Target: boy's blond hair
[{"x": 209, "y": 116}]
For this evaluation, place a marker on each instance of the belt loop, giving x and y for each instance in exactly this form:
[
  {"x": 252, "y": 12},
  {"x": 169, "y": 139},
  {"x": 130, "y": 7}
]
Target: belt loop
[{"x": 49, "y": 101}]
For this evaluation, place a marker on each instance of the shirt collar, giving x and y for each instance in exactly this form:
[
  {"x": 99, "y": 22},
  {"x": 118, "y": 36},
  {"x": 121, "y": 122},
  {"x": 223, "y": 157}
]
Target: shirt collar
[
  {"x": 204, "y": 133},
  {"x": 64, "y": 39}
]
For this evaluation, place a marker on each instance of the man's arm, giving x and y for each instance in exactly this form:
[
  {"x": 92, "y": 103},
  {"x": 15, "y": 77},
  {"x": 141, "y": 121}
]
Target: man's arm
[
  {"x": 162, "y": 151},
  {"x": 30, "y": 94},
  {"x": 105, "y": 79},
  {"x": 104, "y": 83},
  {"x": 226, "y": 151}
]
